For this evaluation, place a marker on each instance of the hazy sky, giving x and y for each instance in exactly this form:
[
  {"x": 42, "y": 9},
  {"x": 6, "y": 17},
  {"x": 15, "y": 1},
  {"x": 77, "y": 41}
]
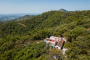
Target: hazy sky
[{"x": 40, "y": 6}]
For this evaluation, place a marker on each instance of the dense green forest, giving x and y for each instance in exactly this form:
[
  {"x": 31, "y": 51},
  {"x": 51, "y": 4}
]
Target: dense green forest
[
  {"x": 1, "y": 22},
  {"x": 19, "y": 39}
]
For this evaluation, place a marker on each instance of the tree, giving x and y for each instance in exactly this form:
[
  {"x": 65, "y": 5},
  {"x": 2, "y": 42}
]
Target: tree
[{"x": 55, "y": 54}]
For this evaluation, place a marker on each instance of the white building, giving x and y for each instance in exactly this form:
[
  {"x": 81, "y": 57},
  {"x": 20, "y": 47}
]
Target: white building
[{"x": 56, "y": 42}]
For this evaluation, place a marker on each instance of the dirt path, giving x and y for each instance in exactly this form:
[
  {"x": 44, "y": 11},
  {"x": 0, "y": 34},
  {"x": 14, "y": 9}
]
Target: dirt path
[{"x": 22, "y": 24}]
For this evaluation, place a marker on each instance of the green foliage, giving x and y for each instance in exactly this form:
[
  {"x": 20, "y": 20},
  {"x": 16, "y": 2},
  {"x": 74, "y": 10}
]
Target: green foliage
[
  {"x": 8, "y": 45},
  {"x": 1, "y": 22},
  {"x": 68, "y": 44},
  {"x": 53, "y": 54},
  {"x": 82, "y": 57},
  {"x": 78, "y": 22},
  {"x": 45, "y": 20},
  {"x": 36, "y": 50},
  {"x": 80, "y": 44},
  {"x": 17, "y": 37},
  {"x": 67, "y": 35},
  {"x": 78, "y": 31},
  {"x": 44, "y": 34}
]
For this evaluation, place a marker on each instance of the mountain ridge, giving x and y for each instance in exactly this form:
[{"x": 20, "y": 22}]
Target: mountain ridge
[{"x": 7, "y": 17}]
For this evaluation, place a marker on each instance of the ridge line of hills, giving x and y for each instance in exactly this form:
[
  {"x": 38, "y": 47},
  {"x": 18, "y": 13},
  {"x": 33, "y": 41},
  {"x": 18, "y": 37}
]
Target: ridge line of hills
[{"x": 11, "y": 17}]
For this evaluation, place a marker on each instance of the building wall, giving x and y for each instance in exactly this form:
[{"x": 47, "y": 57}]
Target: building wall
[{"x": 57, "y": 47}]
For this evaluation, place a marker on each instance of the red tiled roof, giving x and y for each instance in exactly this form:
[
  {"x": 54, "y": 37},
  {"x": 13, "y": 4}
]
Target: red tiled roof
[
  {"x": 50, "y": 40},
  {"x": 53, "y": 40},
  {"x": 60, "y": 43}
]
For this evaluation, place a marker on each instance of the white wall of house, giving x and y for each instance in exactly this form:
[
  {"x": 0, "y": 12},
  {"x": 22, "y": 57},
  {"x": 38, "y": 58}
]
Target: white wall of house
[
  {"x": 46, "y": 41},
  {"x": 57, "y": 47},
  {"x": 52, "y": 37},
  {"x": 53, "y": 44}
]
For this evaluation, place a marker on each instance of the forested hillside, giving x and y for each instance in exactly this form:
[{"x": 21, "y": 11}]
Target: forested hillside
[
  {"x": 23, "y": 17},
  {"x": 19, "y": 39},
  {"x": 1, "y": 22}
]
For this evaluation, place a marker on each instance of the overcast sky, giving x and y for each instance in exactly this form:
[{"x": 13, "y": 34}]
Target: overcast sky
[{"x": 40, "y": 6}]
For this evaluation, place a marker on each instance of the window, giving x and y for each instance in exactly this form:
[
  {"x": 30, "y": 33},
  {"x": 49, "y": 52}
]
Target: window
[{"x": 57, "y": 48}]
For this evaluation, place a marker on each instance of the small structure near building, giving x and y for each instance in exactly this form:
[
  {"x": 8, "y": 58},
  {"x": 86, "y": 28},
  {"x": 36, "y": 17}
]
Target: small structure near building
[{"x": 56, "y": 42}]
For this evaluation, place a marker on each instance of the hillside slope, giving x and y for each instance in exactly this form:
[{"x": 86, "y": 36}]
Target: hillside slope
[
  {"x": 47, "y": 19},
  {"x": 21, "y": 37},
  {"x": 23, "y": 17},
  {"x": 1, "y": 22}
]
